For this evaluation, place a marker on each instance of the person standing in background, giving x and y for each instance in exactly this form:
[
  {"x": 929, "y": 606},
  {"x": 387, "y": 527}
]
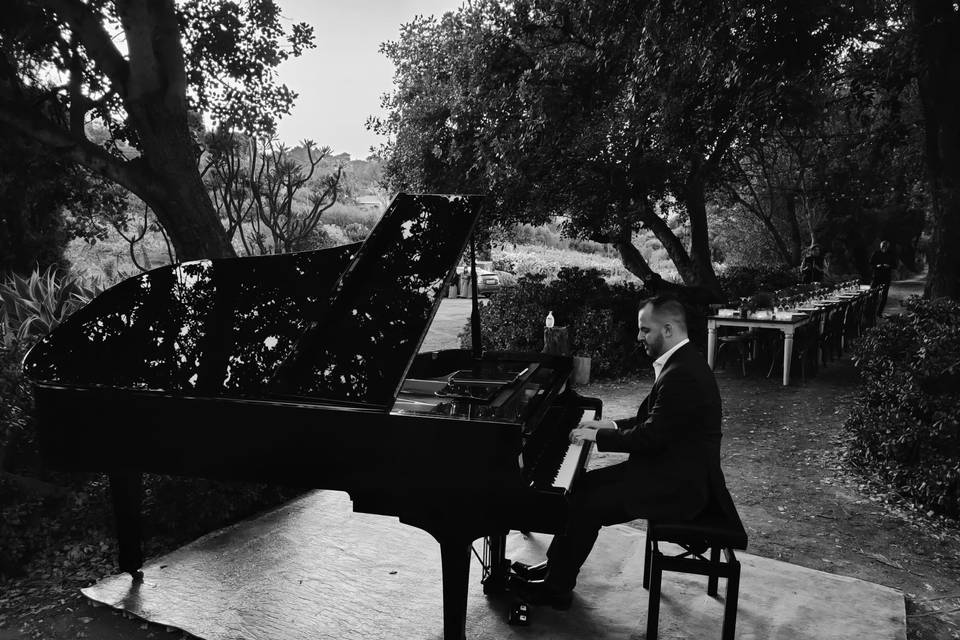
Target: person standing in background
[
  {"x": 883, "y": 261},
  {"x": 811, "y": 269}
]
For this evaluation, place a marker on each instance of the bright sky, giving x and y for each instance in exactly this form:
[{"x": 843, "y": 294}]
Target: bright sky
[{"x": 340, "y": 81}]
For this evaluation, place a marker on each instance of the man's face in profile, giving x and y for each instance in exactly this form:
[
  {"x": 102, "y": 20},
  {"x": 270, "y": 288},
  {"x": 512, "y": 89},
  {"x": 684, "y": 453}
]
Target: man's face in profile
[{"x": 651, "y": 332}]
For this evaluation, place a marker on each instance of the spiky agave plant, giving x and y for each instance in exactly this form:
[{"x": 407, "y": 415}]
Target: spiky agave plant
[{"x": 31, "y": 306}]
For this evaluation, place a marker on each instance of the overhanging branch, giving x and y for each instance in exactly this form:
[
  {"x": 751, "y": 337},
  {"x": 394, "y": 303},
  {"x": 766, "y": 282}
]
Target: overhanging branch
[{"x": 81, "y": 151}]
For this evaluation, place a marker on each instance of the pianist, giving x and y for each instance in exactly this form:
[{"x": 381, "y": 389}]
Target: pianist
[{"x": 673, "y": 440}]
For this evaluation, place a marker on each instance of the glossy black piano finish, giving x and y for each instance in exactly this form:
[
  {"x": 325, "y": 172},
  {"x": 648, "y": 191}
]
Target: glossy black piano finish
[
  {"x": 316, "y": 325},
  {"x": 288, "y": 369}
]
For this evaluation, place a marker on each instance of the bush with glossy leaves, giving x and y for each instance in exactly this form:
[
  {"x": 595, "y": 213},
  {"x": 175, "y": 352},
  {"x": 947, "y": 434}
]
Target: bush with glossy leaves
[{"x": 905, "y": 425}]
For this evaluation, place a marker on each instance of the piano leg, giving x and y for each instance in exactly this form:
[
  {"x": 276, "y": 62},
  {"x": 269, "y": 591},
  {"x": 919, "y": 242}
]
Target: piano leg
[
  {"x": 127, "y": 492},
  {"x": 455, "y": 550}
]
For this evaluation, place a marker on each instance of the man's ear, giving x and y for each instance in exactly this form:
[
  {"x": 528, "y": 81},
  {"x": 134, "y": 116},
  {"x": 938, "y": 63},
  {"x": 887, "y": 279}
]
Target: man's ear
[{"x": 668, "y": 329}]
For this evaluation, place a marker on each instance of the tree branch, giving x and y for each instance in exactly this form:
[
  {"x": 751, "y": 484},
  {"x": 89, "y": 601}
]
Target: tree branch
[
  {"x": 767, "y": 223},
  {"x": 134, "y": 238},
  {"x": 168, "y": 49},
  {"x": 95, "y": 39},
  {"x": 669, "y": 240},
  {"x": 82, "y": 151},
  {"x": 632, "y": 259}
]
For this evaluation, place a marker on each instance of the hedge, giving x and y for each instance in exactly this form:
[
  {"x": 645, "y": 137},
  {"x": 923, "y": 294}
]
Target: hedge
[
  {"x": 742, "y": 281},
  {"x": 905, "y": 424},
  {"x": 602, "y": 319}
]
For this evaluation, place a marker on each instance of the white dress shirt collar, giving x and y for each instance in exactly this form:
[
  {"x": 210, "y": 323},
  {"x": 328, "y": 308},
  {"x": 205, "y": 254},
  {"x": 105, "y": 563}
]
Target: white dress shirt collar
[{"x": 662, "y": 360}]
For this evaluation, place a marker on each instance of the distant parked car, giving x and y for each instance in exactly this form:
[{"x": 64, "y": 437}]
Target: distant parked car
[{"x": 488, "y": 280}]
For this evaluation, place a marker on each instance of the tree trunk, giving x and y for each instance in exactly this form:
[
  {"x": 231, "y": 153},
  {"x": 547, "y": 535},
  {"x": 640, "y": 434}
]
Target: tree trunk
[
  {"x": 633, "y": 260},
  {"x": 671, "y": 243},
  {"x": 182, "y": 205},
  {"x": 938, "y": 32},
  {"x": 796, "y": 240},
  {"x": 702, "y": 274},
  {"x": 157, "y": 106}
]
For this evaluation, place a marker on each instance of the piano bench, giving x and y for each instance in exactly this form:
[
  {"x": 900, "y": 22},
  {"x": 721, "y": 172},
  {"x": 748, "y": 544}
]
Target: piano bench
[{"x": 717, "y": 529}]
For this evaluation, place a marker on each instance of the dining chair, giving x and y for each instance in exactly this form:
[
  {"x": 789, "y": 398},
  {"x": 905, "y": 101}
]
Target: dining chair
[
  {"x": 831, "y": 336},
  {"x": 806, "y": 348},
  {"x": 739, "y": 343}
]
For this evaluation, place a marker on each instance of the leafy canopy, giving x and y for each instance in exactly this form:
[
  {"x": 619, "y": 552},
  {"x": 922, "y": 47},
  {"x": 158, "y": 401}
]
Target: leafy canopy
[
  {"x": 599, "y": 110},
  {"x": 80, "y": 54}
]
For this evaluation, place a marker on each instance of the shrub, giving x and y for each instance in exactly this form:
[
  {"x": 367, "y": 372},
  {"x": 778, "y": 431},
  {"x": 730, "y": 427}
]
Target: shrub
[
  {"x": 343, "y": 215},
  {"x": 601, "y": 319},
  {"x": 742, "y": 281},
  {"x": 534, "y": 259},
  {"x": 356, "y": 232},
  {"x": 18, "y": 448},
  {"x": 330, "y": 235},
  {"x": 32, "y": 306},
  {"x": 905, "y": 424}
]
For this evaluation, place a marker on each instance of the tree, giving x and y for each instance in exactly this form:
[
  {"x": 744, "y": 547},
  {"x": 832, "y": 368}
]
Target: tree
[
  {"x": 935, "y": 25},
  {"x": 616, "y": 114},
  {"x": 766, "y": 182},
  {"x": 845, "y": 176},
  {"x": 63, "y": 65},
  {"x": 257, "y": 186}
]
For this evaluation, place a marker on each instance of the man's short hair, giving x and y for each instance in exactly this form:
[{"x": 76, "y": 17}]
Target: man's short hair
[{"x": 669, "y": 306}]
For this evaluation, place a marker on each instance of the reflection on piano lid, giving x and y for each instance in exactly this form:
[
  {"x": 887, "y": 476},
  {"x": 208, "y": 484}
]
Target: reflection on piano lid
[{"x": 338, "y": 325}]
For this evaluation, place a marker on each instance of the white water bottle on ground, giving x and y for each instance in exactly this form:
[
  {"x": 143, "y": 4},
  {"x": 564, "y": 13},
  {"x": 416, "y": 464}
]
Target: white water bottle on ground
[{"x": 549, "y": 321}]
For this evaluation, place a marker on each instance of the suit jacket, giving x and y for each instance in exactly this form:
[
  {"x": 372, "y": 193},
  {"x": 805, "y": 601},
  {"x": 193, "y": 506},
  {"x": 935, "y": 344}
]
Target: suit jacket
[
  {"x": 883, "y": 263},
  {"x": 673, "y": 442},
  {"x": 811, "y": 269}
]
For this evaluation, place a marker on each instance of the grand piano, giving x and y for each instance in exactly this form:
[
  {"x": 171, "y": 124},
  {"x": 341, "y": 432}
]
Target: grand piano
[{"x": 288, "y": 369}]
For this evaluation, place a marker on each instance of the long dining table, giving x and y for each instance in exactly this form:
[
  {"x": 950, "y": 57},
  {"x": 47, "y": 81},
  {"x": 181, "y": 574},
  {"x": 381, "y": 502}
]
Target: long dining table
[{"x": 786, "y": 322}]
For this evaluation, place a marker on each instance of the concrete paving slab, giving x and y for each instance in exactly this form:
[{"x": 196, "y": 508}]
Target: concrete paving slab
[{"x": 314, "y": 569}]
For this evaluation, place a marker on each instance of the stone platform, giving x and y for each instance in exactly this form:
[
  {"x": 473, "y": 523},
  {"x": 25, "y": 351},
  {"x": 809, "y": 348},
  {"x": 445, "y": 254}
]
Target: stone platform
[{"x": 313, "y": 569}]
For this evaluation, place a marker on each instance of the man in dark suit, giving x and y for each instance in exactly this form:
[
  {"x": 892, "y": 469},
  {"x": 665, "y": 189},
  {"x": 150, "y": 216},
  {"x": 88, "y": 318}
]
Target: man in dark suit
[
  {"x": 811, "y": 267},
  {"x": 674, "y": 445},
  {"x": 883, "y": 261}
]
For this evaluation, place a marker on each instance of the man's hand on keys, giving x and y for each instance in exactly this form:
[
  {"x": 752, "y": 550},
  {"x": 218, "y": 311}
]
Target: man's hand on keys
[{"x": 587, "y": 430}]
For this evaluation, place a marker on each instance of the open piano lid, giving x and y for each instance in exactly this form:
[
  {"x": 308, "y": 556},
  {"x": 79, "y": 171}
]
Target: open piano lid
[{"x": 336, "y": 325}]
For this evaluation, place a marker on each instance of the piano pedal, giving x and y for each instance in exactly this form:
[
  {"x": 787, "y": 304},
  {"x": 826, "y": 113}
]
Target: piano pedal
[
  {"x": 497, "y": 581},
  {"x": 519, "y": 615}
]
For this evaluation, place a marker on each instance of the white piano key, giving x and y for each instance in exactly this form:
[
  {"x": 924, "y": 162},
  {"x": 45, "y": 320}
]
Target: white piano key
[{"x": 574, "y": 459}]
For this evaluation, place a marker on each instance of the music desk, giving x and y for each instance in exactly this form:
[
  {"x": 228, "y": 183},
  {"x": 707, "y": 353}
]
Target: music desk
[{"x": 786, "y": 326}]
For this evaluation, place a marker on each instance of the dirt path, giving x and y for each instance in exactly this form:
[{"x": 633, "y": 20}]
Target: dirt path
[
  {"x": 781, "y": 455},
  {"x": 782, "y": 451}
]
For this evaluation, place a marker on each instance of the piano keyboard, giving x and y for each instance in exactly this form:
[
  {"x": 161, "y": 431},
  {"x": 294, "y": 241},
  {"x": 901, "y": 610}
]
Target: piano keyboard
[
  {"x": 559, "y": 462},
  {"x": 574, "y": 459}
]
